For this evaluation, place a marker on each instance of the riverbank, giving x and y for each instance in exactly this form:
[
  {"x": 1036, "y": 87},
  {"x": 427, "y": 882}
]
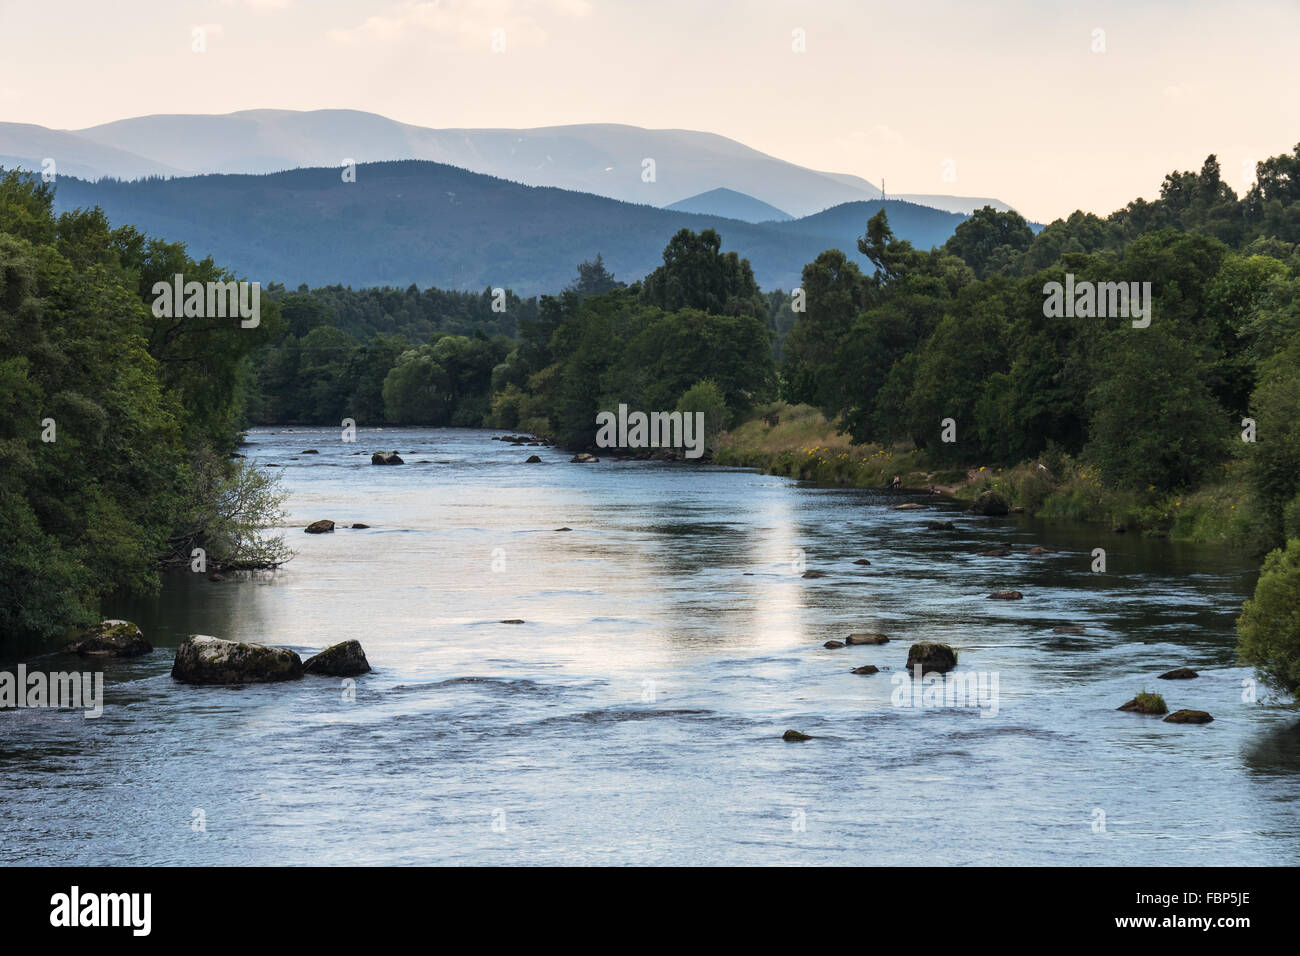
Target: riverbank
[{"x": 803, "y": 444}]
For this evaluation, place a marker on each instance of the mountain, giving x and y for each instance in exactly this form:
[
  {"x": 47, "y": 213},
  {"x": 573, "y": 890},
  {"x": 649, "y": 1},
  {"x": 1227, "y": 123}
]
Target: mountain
[
  {"x": 962, "y": 204},
  {"x": 603, "y": 158},
  {"x": 431, "y": 224},
  {"x": 28, "y": 146},
  {"x": 732, "y": 205}
]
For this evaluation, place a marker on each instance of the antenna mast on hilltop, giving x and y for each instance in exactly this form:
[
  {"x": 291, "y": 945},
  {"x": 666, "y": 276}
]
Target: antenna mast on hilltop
[{"x": 884, "y": 197}]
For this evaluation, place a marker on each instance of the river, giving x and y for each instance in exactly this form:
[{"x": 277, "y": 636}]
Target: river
[{"x": 636, "y": 716}]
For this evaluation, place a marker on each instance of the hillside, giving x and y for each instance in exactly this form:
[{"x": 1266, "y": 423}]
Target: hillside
[
  {"x": 732, "y": 205},
  {"x": 431, "y": 224}
]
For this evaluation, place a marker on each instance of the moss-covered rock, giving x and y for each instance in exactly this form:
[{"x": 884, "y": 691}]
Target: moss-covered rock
[
  {"x": 111, "y": 638},
  {"x": 1145, "y": 703},
  {"x": 202, "y": 659},
  {"x": 345, "y": 659}
]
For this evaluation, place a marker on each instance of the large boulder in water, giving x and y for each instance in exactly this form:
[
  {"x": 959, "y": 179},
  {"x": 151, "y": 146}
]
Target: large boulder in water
[
  {"x": 324, "y": 526},
  {"x": 1188, "y": 717},
  {"x": 866, "y": 638},
  {"x": 931, "y": 657},
  {"x": 339, "y": 660},
  {"x": 111, "y": 638},
  {"x": 210, "y": 660},
  {"x": 989, "y": 503},
  {"x": 386, "y": 458}
]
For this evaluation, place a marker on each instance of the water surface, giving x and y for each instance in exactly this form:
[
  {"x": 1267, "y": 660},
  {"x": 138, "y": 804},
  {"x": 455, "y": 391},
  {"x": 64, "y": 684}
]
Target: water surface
[{"x": 636, "y": 716}]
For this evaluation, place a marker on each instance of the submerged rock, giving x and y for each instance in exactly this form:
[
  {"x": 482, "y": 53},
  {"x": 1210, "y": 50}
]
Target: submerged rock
[
  {"x": 833, "y": 644},
  {"x": 908, "y": 506},
  {"x": 931, "y": 657},
  {"x": 320, "y": 527},
  {"x": 813, "y": 574},
  {"x": 111, "y": 638},
  {"x": 1188, "y": 717},
  {"x": 940, "y": 526},
  {"x": 1179, "y": 673},
  {"x": 866, "y": 669},
  {"x": 863, "y": 561},
  {"x": 583, "y": 458},
  {"x": 989, "y": 503},
  {"x": 513, "y": 620},
  {"x": 1068, "y": 629},
  {"x": 202, "y": 659},
  {"x": 563, "y": 529},
  {"x": 1006, "y": 596},
  {"x": 995, "y": 553},
  {"x": 791, "y": 736},
  {"x": 1037, "y": 551},
  {"x": 386, "y": 458},
  {"x": 533, "y": 460},
  {"x": 345, "y": 659},
  {"x": 867, "y": 638}
]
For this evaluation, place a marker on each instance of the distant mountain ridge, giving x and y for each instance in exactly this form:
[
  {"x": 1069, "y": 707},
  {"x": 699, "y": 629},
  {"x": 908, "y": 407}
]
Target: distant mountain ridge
[
  {"x": 604, "y": 159},
  {"x": 732, "y": 205},
  {"x": 426, "y": 223}
]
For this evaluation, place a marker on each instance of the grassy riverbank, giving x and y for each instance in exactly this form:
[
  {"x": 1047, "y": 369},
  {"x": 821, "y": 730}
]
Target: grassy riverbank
[{"x": 806, "y": 446}]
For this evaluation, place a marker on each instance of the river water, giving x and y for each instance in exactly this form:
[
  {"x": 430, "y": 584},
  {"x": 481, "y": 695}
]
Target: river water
[{"x": 636, "y": 716}]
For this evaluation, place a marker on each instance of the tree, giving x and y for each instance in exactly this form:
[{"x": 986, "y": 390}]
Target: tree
[
  {"x": 1268, "y": 631},
  {"x": 697, "y": 274},
  {"x": 990, "y": 240},
  {"x": 705, "y": 397},
  {"x": 594, "y": 278}
]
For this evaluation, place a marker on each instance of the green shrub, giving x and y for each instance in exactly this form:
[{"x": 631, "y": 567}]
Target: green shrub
[{"x": 1268, "y": 631}]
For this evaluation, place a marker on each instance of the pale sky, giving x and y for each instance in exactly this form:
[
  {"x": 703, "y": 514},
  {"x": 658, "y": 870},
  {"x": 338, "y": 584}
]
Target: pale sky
[{"x": 1009, "y": 91}]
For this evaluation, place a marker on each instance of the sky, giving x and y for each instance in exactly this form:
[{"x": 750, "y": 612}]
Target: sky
[{"x": 1048, "y": 105}]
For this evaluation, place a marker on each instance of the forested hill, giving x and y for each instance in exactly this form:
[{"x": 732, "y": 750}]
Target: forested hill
[{"x": 424, "y": 223}]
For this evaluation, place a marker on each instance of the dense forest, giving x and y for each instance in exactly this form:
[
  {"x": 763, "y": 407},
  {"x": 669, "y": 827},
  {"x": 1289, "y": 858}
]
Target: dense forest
[{"x": 947, "y": 352}]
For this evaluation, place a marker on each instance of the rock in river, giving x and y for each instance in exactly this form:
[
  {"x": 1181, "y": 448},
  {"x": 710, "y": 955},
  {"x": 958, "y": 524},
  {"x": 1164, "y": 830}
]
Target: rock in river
[
  {"x": 210, "y": 660},
  {"x": 794, "y": 736},
  {"x": 1006, "y": 596},
  {"x": 386, "y": 458},
  {"x": 1179, "y": 673},
  {"x": 1145, "y": 703},
  {"x": 867, "y": 638},
  {"x": 532, "y": 460},
  {"x": 111, "y": 639},
  {"x": 931, "y": 657},
  {"x": 989, "y": 503},
  {"x": 833, "y": 644},
  {"x": 339, "y": 660},
  {"x": 1188, "y": 717},
  {"x": 320, "y": 527},
  {"x": 867, "y": 669}
]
